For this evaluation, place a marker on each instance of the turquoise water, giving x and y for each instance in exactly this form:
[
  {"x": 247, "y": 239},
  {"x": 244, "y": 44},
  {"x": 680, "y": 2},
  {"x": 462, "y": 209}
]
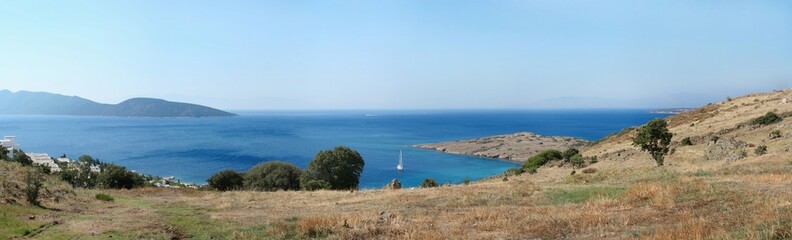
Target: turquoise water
[{"x": 193, "y": 149}]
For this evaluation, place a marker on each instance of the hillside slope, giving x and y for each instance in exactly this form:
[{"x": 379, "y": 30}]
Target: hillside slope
[{"x": 41, "y": 103}]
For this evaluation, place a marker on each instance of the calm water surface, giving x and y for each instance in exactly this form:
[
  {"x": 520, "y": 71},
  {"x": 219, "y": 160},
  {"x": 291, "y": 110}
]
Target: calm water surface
[{"x": 193, "y": 149}]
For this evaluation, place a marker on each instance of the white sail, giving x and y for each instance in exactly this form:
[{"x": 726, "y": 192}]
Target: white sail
[{"x": 401, "y": 162}]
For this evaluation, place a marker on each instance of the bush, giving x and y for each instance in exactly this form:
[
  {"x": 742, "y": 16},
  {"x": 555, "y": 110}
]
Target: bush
[
  {"x": 686, "y": 141},
  {"x": 577, "y": 160},
  {"x": 593, "y": 160},
  {"x": 226, "y": 180},
  {"x": 21, "y": 157},
  {"x": 761, "y": 150},
  {"x": 767, "y": 119},
  {"x": 118, "y": 177},
  {"x": 775, "y": 134},
  {"x": 569, "y": 153},
  {"x": 33, "y": 183},
  {"x": 466, "y": 181},
  {"x": 273, "y": 176},
  {"x": 714, "y": 138},
  {"x": 104, "y": 197},
  {"x": 336, "y": 169},
  {"x": 589, "y": 170},
  {"x": 540, "y": 159},
  {"x": 429, "y": 183}
]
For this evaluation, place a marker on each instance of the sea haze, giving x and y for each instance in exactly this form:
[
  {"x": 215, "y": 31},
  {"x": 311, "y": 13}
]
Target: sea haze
[{"x": 194, "y": 148}]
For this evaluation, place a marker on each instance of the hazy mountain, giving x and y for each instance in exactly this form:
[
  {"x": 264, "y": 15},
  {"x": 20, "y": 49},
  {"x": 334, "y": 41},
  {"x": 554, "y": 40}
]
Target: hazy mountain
[{"x": 41, "y": 103}]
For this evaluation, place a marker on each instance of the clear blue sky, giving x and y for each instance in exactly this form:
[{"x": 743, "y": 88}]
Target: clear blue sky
[{"x": 398, "y": 54}]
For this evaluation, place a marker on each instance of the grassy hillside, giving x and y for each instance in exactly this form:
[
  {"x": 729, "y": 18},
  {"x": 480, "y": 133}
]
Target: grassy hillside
[{"x": 699, "y": 194}]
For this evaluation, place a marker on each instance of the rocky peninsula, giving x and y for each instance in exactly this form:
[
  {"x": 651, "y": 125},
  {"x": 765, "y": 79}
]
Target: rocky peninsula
[{"x": 517, "y": 147}]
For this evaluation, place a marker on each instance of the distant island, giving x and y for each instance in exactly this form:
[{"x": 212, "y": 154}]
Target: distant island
[{"x": 42, "y": 103}]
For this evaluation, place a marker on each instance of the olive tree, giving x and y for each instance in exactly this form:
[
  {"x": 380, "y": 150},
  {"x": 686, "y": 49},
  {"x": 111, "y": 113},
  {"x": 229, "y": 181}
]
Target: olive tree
[
  {"x": 654, "y": 138},
  {"x": 336, "y": 169}
]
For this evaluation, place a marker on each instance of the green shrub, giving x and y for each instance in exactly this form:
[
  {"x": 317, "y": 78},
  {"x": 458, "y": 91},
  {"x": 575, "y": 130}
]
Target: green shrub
[
  {"x": 569, "y": 153},
  {"x": 429, "y": 183},
  {"x": 515, "y": 171},
  {"x": 117, "y": 177},
  {"x": 21, "y": 157},
  {"x": 593, "y": 160},
  {"x": 686, "y": 141},
  {"x": 336, "y": 169},
  {"x": 273, "y": 176},
  {"x": 33, "y": 182},
  {"x": 767, "y": 119},
  {"x": 714, "y": 138},
  {"x": 577, "y": 160},
  {"x": 466, "y": 181},
  {"x": 540, "y": 159},
  {"x": 226, "y": 180},
  {"x": 104, "y": 197},
  {"x": 761, "y": 150},
  {"x": 775, "y": 134}
]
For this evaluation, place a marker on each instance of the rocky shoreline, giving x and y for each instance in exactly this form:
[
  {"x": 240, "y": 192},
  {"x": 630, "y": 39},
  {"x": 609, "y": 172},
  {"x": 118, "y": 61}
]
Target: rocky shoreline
[{"x": 517, "y": 147}]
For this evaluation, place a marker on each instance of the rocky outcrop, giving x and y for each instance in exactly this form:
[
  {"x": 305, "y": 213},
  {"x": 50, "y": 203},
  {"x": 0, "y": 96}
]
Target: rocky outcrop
[
  {"x": 393, "y": 185},
  {"x": 726, "y": 149}
]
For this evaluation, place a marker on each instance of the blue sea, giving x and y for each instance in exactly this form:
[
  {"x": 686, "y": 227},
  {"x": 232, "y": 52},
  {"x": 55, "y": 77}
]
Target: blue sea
[{"x": 192, "y": 149}]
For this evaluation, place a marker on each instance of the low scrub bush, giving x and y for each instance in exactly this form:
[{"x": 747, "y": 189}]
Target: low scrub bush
[
  {"x": 775, "y": 134},
  {"x": 761, "y": 150},
  {"x": 33, "y": 182},
  {"x": 767, "y": 119},
  {"x": 686, "y": 141},
  {"x": 577, "y": 160},
  {"x": 429, "y": 183},
  {"x": 104, "y": 197},
  {"x": 569, "y": 153},
  {"x": 540, "y": 159},
  {"x": 589, "y": 170}
]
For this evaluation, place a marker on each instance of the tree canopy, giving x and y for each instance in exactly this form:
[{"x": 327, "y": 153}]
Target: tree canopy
[
  {"x": 654, "y": 138},
  {"x": 336, "y": 169},
  {"x": 273, "y": 176},
  {"x": 226, "y": 180}
]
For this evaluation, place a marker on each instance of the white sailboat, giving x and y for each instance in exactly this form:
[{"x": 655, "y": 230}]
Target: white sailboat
[{"x": 400, "y": 167}]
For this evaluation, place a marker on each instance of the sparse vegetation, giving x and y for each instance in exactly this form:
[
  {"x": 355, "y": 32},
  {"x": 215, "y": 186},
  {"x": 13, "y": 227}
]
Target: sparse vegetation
[
  {"x": 33, "y": 182},
  {"x": 226, "y": 180},
  {"x": 767, "y": 119},
  {"x": 761, "y": 150},
  {"x": 577, "y": 160},
  {"x": 273, "y": 176},
  {"x": 429, "y": 183},
  {"x": 654, "y": 138},
  {"x": 336, "y": 169},
  {"x": 569, "y": 153}
]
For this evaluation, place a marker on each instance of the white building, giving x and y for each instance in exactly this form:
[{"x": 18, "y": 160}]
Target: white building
[
  {"x": 63, "y": 160},
  {"x": 9, "y": 142},
  {"x": 45, "y": 160},
  {"x": 96, "y": 169}
]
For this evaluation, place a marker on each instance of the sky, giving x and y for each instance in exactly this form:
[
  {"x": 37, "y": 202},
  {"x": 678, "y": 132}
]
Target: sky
[{"x": 399, "y": 54}]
